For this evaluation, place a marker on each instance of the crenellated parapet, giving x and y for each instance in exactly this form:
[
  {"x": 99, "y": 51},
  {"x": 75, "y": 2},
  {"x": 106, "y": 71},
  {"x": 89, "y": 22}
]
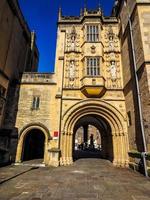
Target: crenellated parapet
[{"x": 37, "y": 78}]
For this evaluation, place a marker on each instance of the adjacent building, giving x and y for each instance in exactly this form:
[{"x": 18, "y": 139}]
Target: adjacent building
[
  {"x": 18, "y": 53},
  {"x": 134, "y": 28}
]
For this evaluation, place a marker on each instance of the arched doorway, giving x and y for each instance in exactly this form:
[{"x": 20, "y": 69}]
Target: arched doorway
[
  {"x": 107, "y": 119},
  {"x": 34, "y": 145},
  {"x": 92, "y": 138}
]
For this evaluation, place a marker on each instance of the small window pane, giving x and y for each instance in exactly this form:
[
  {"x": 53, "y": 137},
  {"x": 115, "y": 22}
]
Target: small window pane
[
  {"x": 88, "y": 30},
  {"x": 88, "y": 71},
  {"x": 98, "y": 71}
]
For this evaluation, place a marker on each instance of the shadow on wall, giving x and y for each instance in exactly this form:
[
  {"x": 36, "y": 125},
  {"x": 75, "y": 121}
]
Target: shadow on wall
[{"x": 8, "y": 132}]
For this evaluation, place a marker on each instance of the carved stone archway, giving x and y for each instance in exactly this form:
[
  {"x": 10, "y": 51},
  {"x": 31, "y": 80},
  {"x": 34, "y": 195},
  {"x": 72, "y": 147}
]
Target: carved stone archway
[
  {"x": 22, "y": 135},
  {"x": 104, "y": 110}
]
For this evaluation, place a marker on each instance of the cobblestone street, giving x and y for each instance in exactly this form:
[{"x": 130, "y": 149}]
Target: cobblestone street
[{"x": 86, "y": 179}]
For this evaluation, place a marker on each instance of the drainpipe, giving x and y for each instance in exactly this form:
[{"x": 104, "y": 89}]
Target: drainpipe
[{"x": 139, "y": 98}]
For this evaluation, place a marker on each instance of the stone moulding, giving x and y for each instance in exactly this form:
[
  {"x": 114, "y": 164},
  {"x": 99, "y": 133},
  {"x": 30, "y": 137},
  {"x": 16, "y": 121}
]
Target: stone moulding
[
  {"x": 35, "y": 125},
  {"x": 105, "y": 111}
]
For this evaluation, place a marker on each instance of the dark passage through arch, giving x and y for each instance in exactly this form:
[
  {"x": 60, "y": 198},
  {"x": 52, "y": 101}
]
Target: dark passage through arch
[
  {"x": 92, "y": 138},
  {"x": 34, "y": 145}
]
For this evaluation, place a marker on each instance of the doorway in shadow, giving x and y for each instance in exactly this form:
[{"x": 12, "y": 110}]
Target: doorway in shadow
[{"x": 34, "y": 145}]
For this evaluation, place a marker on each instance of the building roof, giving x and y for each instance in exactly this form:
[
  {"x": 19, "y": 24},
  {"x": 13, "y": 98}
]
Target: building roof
[{"x": 86, "y": 13}]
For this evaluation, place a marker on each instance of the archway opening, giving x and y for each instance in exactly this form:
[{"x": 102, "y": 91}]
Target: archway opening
[
  {"x": 92, "y": 138},
  {"x": 34, "y": 145}
]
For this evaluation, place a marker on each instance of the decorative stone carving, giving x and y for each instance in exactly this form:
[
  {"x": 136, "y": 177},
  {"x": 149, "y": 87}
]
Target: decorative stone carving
[
  {"x": 113, "y": 75},
  {"x": 111, "y": 43},
  {"x": 93, "y": 49},
  {"x": 72, "y": 70},
  {"x": 111, "y": 40},
  {"x": 113, "y": 71},
  {"x": 73, "y": 36},
  {"x": 72, "y": 73},
  {"x": 73, "y": 40},
  {"x": 112, "y": 56}
]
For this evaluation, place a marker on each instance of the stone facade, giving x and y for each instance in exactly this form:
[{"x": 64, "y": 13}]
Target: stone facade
[
  {"x": 15, "y": 36},
  {"x": 79, "y": 95},
  {"x": 138, "y": 11},
  {"x": 93, "y": 83}
]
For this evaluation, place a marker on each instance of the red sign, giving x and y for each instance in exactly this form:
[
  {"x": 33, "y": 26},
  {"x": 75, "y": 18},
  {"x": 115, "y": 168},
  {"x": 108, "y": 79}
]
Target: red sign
[{"x": 56, "y": 133}]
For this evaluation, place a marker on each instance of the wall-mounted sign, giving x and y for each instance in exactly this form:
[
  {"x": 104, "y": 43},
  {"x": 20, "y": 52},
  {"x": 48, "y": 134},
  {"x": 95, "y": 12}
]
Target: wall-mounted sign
[{"x": 56, "y": 134}]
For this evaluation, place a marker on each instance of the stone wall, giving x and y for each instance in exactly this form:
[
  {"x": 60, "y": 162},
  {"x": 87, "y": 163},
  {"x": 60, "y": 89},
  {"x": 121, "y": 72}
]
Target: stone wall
[
  {"x": 139, "y": 15},
  {"x": 135, "y": 139},
  {"x": 145, "y": 100},
  {"x": 15, "y": 37},
  {"x": 144, "y": 17},
  {"x": 15, "y": 51},
  {"x": 47, "y": 114}
]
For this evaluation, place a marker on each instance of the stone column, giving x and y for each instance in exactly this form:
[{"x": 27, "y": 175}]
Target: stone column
[
  {"x": 115, "y": 149},
  {"x": 123, "y": 153},
  {"x": 67, "y": 148},
  {"x": 70, "y": 148},
  {"x": 19, "y": 153},
  {"x": 63, "y": 149},
  {"x": 126, "y": 150},
  {"x": 119, "y": 150},
  {"x": 85, "y": 134}
]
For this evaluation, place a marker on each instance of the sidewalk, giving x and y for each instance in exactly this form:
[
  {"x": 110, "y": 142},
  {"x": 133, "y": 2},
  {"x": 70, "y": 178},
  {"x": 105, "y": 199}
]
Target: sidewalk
[
  {"x": 12, "y": 171},
  {"x": 86, "y": 179}
]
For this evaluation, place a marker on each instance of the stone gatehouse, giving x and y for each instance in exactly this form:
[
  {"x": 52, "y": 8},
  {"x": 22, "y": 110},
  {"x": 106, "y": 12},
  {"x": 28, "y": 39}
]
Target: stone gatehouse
[{"x": 93, "y": 84}]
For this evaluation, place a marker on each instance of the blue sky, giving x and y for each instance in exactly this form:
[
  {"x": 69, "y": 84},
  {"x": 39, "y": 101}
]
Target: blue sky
[{"x": 41, "y": 16}]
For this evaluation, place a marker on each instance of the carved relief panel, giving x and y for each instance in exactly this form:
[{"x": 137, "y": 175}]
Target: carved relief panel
[
  {"x": 72, "y": 40},
  {"x": 113, "y": 73},
  {"x": 112, "y": 59},
  {"x": 71, "y": 72},
  {"x": 72, "y": 52},
  {"x": 111, "y": 40}
]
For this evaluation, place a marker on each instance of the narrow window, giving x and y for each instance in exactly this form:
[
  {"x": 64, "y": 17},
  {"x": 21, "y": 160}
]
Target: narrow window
[{"x": 36, "y": 103}]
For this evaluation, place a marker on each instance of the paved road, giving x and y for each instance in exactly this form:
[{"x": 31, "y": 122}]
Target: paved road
[{"x": 87, "y": 179}]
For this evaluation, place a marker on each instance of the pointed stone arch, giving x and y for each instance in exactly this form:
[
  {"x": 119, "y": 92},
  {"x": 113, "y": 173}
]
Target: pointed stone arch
[{"x": 103, "y": 110}]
